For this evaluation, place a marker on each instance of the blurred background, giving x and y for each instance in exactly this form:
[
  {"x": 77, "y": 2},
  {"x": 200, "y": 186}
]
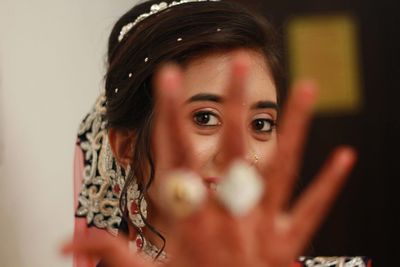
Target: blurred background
[
  {"x": 351, "y": 48},
  {"x": 52, "y": 56}
]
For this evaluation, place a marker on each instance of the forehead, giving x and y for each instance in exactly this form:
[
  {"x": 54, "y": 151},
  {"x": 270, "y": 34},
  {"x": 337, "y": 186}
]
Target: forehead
[{"x": 211, "y": 74}]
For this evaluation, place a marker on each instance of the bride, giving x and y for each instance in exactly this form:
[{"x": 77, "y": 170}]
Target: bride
[{"x": 187, "y": 157}]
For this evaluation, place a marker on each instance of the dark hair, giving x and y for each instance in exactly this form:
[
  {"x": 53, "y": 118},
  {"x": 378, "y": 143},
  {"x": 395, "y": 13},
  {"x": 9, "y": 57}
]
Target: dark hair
[{"x": 204, "y": 27}]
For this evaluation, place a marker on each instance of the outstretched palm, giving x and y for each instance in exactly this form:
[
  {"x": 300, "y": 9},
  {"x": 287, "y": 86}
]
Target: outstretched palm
[{"x": 271, "y": 234}]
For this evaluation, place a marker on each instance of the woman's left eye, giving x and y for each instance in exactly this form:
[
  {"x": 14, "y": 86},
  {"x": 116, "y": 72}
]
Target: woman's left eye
[{"x": 263, "y": 125}]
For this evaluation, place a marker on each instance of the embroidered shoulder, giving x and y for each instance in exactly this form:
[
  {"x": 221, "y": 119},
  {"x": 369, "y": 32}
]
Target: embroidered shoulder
[
  {"x": 102, "y": 178},
  {"x": 103, "y": 181}
]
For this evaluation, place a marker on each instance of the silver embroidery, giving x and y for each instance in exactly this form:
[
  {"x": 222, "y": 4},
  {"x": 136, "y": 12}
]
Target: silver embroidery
[
  {"x": 133, "y": 201},
  {"x": 102, "y": 180},
  {"x": 334, "y": 262}
]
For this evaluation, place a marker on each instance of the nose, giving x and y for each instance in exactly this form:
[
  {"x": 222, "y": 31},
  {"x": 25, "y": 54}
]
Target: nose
[{"x": 250, "y": 157}]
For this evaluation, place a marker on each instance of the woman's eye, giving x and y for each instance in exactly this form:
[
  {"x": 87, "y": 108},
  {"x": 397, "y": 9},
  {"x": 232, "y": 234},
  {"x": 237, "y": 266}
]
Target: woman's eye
[
  {"x": 263, "y": 125},
  {"x": 206, "y": 118}
]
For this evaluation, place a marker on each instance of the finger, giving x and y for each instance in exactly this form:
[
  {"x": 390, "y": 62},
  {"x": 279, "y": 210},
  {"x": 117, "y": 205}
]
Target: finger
[
  {"x": 232, "y": 142},
  {"x": 281, "y": 173},
  {"x": 215, "y": 225},
  {"x": 316, "y": 201},
  {"x": 113, "y": 250},
  {"x": 198, "y": 228},
  {"x": 171, "y": 141},
  {"x": 171, "y": 145},
  {"x": 93, "y": 245}
]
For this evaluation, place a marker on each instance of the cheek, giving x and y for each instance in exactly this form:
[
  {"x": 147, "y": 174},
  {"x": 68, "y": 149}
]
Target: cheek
[{"x": 204, "y": 148}]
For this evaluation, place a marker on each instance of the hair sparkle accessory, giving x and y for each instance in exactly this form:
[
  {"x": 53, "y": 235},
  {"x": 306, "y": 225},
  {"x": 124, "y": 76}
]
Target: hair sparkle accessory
[{"x": 156, "y": 8}]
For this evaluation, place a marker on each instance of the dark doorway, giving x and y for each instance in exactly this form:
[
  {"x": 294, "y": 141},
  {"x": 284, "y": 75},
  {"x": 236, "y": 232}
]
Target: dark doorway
[{"x": 365, "y": 218}]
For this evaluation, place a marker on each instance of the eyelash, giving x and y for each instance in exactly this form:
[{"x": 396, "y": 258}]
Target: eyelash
[
  {"x": 209, "y": 115},
  {"x": 196, "y": 118},
  {"x": 270, "y": 121}
]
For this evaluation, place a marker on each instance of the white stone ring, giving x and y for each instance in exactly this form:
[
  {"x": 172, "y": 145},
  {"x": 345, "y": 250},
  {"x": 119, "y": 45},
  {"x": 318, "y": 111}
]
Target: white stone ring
[{"x": 241, "y": 188}]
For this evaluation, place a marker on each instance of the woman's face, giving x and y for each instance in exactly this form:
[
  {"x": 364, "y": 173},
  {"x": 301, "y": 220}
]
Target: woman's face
[{"x": 205, "y": 82}]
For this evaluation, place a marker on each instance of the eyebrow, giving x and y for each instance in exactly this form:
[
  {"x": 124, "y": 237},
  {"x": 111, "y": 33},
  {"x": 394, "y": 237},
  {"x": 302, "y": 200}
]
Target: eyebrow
[
  {"x": 218, "y": 99},
  {"x": 265, "y": 105},
  {"x": 205, "y": 97}
]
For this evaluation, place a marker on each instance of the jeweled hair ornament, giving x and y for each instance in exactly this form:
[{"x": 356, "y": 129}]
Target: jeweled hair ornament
[{"x": 154, "y": 9}]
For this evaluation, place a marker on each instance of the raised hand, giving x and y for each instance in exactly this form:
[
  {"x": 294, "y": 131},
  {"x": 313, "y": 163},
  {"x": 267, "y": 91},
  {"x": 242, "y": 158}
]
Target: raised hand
[{"x": 270, "y": 234}]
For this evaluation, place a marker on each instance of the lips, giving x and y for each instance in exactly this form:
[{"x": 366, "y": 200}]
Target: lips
[{"x": 211, "y": 182}]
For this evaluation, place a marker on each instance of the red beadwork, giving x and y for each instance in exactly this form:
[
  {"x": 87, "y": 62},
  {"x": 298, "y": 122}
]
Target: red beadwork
[
  {"x": 117, "y": 189},
  {"x": 139, "y": 242},
  {"x": 134, "y": 208}
]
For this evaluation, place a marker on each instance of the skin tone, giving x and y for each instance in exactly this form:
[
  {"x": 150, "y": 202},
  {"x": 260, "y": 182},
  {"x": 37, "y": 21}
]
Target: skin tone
[
  {"x": 198, "y": 109},
  {"x": 206, "y": 81},
  {"x": 204, "y": 103}
]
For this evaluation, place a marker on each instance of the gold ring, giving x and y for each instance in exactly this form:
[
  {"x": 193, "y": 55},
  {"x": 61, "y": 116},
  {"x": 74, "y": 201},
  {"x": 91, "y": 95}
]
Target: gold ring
[{"x": 183, "y": 193}]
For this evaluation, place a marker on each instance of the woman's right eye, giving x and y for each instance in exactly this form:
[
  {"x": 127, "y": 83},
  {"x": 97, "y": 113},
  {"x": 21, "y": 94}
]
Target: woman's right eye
[{"x": 206, "y": 118}]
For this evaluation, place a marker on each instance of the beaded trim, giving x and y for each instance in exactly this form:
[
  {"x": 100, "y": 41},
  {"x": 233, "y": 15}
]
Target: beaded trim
[
  {"x": 103, "y": 181},
  {"x": 102, "y": 178},
  {"x": 154, "y": 9},
  {"x": 333, "y": 261}
]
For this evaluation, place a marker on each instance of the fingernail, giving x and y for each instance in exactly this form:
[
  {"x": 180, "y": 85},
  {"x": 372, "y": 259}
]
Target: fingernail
[
  {"x": 347, "y": 157},
  {"x": 308, "y": 91},
  {"x": 166, "y": 79},
  {"x": 65, "y": 249},
  {"x": 170, "y": 78},
  {"x": 241, "y": 62}
]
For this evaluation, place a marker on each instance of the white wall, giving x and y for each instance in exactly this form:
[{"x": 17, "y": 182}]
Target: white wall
[{"x": 51, "y": 66}]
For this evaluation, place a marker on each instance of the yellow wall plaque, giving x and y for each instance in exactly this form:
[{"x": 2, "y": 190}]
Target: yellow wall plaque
[{"x": 324, "y": 48}]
